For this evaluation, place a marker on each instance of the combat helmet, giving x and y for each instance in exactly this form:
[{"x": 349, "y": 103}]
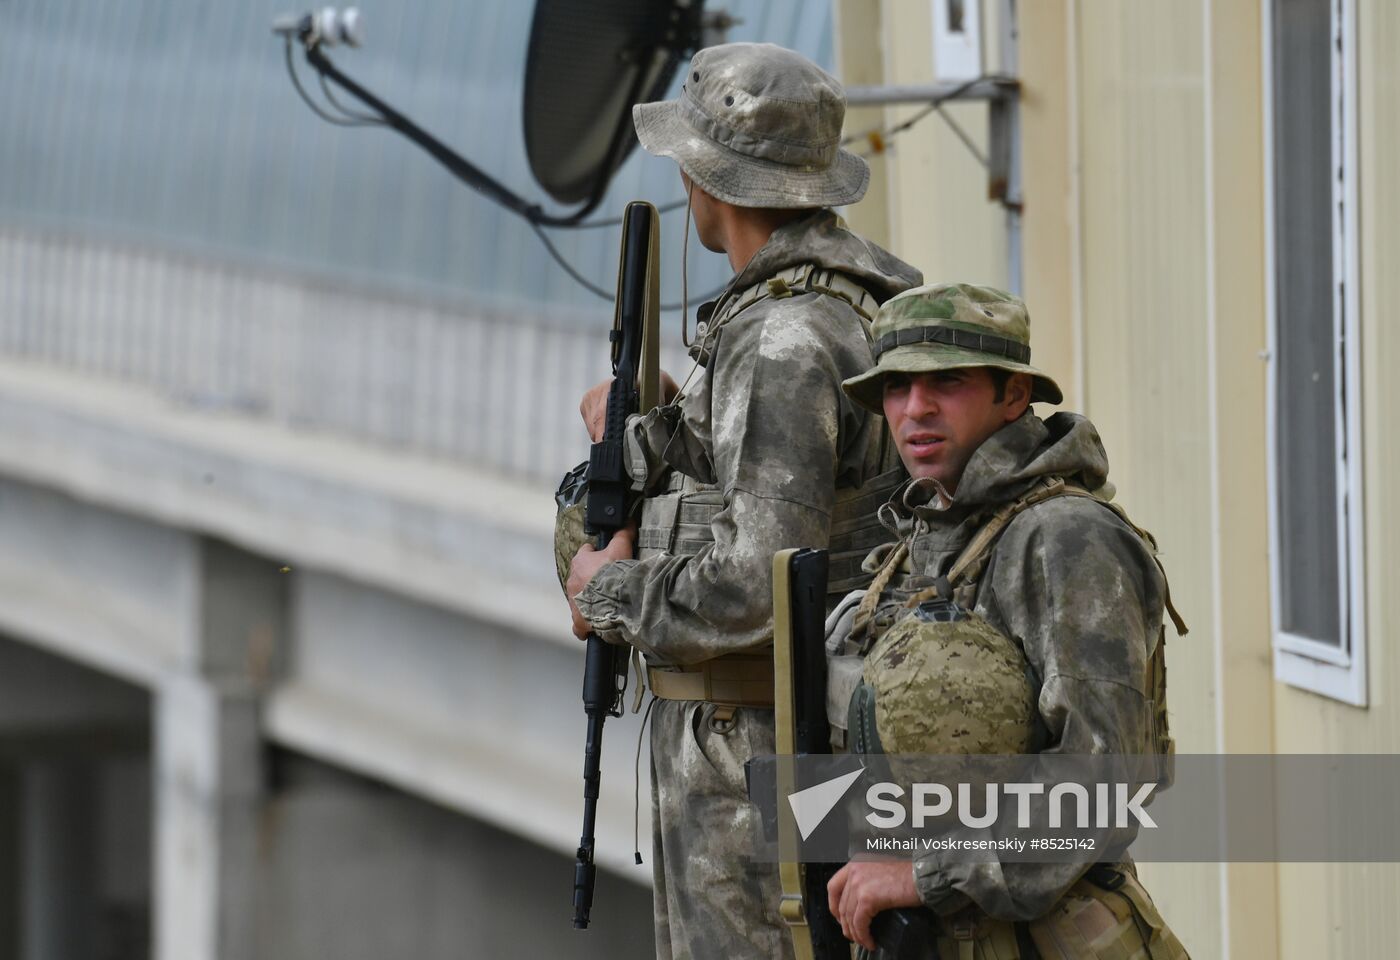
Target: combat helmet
[
  {"x": 944, "y": 681},
  {"x": 569, "y": 534}
]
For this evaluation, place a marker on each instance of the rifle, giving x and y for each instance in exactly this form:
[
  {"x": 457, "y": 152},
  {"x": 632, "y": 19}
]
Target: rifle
[
  {"x": 799, "y": 696},
  {"x": 634, "y": 389},
  {"x": 799, "y": 670}
]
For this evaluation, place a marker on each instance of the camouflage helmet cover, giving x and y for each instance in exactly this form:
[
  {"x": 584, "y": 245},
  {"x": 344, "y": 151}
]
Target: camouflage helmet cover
[
  {"x": 569, "y": 534},
  {"x": 944, "y": 681}
]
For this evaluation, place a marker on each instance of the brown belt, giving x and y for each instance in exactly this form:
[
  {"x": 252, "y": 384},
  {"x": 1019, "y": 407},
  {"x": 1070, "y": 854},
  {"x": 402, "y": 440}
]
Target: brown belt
[{"x": 733, "y": 680}]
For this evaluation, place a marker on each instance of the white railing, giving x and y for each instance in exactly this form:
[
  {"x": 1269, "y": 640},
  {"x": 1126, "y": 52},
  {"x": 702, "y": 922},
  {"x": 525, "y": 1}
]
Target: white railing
[{"x": 492, "y": 387}]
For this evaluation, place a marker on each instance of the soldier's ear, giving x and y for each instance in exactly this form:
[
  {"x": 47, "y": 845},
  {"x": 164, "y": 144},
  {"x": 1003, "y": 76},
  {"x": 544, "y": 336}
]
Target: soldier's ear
[{"x": 1018, "y": 395}]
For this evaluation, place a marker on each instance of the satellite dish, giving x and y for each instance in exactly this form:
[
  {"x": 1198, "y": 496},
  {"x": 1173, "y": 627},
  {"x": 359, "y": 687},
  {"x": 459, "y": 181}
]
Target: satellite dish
[{"x": 588, "y": 62}]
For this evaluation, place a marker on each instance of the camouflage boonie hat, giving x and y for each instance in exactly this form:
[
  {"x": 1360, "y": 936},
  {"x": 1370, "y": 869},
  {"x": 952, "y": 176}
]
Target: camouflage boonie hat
[
  {"x": 944, "y": 326},
  {"x": 757, "y": 125},
  {"x": 943, "y": 681}
]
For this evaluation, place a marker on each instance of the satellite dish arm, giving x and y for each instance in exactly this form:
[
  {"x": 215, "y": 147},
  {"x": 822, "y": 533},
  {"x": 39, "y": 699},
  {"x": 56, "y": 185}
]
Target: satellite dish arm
[{"x": 459, "y": 166}]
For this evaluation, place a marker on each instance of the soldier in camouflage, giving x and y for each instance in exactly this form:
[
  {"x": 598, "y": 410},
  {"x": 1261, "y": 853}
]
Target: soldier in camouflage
[
  {"x": 1009, "y": 516},
  {"x": 764, "y": 452}
]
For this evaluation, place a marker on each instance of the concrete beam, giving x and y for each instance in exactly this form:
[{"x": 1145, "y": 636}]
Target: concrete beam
[{"x": 458, "y": 538}]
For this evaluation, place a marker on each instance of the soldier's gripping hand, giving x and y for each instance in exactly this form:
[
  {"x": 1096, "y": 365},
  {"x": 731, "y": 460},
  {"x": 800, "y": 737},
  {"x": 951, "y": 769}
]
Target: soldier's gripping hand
[
  {"x": 594, "y": 405},
  {"x": 586, "y": 564},
  {"x": 861, "y": 890}
]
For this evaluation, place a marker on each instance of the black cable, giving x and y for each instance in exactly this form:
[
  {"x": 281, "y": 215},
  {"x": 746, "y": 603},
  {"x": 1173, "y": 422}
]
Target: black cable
[
  {"x": 592, "y": 287},
  {"x": 315, "y": 107},
  {"x": 353, "y": 119},
  {"x": 582, "y": 281},
  {"x": 463, "y": 169},
  {"x": 617, "y": 221},
  {"x": 351, "y": 114},
  {"x": 932, "y": 105}
]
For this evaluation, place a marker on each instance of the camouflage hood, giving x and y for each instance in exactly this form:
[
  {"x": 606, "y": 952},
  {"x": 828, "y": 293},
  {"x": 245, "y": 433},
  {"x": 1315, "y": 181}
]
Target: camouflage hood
[
  {"x": 1007, "y": 465},
  {"x": 821, "y": 237}
]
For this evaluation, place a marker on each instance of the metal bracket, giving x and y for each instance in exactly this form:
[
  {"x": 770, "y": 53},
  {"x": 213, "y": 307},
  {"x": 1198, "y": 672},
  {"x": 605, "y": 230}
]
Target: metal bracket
[{"x": 1002, "y": 92}]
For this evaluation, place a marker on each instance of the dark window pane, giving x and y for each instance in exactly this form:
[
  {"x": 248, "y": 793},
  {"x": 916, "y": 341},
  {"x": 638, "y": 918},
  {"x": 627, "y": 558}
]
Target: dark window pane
[{"x": 1306, "y": 339}]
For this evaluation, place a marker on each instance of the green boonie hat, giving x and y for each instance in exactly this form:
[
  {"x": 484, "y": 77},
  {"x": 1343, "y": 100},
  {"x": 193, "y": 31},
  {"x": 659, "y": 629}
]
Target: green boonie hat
[
  {"x": 944, "y": 326},
  {"x": 757, "y": 125}
]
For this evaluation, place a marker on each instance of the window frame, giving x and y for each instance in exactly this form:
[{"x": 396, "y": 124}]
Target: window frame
[{"x": 1338, "y": 672}]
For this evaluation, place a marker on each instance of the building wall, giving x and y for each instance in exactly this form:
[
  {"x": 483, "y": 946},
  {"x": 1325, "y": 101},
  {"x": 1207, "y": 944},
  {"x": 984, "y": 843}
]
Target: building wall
[
  {"x": 1348, "y": 910},
  {"x": 1145, "y": 250},
  {"x": 357, "y": 870},
  {"x": 937, "y": 213}
]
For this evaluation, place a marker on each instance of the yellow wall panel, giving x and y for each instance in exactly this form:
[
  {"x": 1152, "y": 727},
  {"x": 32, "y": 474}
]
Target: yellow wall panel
[
  {"x": 860, "y": 60},
  {"x": 1049, "y": 189},
  {"x": 940, "y": 218},
  {"x": 1348, "y": 910},
  {"x": 1147, "y": 344},
  {"x": 1241, "y": 632},
  {"x": 1144, "y": 164}
]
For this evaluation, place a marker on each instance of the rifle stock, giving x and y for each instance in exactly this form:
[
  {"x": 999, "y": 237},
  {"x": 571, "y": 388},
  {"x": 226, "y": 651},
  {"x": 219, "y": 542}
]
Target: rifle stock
[
  {"x": 799, "y": 668},
  {"x": 799, "y": 671},
  {"x": 608, "y": 508}
]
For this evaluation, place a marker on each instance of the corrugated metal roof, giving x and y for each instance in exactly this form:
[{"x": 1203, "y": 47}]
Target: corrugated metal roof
[{"x": 175, "y": 124}]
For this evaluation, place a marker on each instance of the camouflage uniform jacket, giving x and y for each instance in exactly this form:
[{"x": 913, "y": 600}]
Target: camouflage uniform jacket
[
  {"x": 770, "y": 432},
  {"x": 1077, "y": 589}
]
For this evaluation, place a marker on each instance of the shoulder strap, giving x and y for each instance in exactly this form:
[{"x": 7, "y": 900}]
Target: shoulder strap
[
  {"x": 968, "y": 568},
  {"x": 800, "y": 279}
]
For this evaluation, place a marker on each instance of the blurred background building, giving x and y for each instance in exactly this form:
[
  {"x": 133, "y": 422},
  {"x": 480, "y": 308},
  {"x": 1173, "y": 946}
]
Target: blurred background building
[
  {"x": 284, "y": 668},
  {"x": 1208, "y": 249},
  {"x": 284, "y": 671}
]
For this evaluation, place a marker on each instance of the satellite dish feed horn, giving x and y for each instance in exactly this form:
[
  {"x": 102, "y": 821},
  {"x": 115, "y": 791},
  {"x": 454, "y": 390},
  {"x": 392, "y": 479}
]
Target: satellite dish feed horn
[{"x": 589, "y": 61}]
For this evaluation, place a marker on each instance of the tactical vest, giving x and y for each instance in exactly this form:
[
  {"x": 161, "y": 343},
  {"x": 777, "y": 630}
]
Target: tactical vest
[
  {"x": 1107, "y": 913},
  {"x": 961, "y": 582},
  {"x": 678, "y": 519}
]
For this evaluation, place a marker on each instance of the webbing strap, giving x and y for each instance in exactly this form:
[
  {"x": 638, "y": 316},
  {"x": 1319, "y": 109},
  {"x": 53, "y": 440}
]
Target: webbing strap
[
  {"x": 1113, "y": 880},
  {"x": 733, "y": 680},
  {"x": 953, "y": 337},
  {"x": 883, "y": 576},
  {"x": 971, "y": 562},
  {"x": 967, "y": 568},
  {"x": 800, "y": 279}
]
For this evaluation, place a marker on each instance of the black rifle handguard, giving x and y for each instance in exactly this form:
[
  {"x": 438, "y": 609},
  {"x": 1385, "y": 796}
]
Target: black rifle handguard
[{"x": 608, "y": 508}]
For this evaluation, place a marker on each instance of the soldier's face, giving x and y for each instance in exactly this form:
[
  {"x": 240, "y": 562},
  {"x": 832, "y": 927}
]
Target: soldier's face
[{"x": 939, "y": 419}]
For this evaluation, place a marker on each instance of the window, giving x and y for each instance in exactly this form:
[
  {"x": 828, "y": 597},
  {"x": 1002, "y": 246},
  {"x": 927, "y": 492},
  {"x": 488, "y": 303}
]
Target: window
[
  {"x": 1314, "y": 397},
  {"x": 957, "y": 40}
]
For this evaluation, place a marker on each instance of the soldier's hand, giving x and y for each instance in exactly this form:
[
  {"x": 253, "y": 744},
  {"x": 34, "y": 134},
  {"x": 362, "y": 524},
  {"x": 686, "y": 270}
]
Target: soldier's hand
[
  {"x": 594, "y": 405},
  {"x": 594, "y": 410},
  {"x": 861, "y": 890},
  {"x": 668, "y": 388},
  {"x": 586, "y": 564}
]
